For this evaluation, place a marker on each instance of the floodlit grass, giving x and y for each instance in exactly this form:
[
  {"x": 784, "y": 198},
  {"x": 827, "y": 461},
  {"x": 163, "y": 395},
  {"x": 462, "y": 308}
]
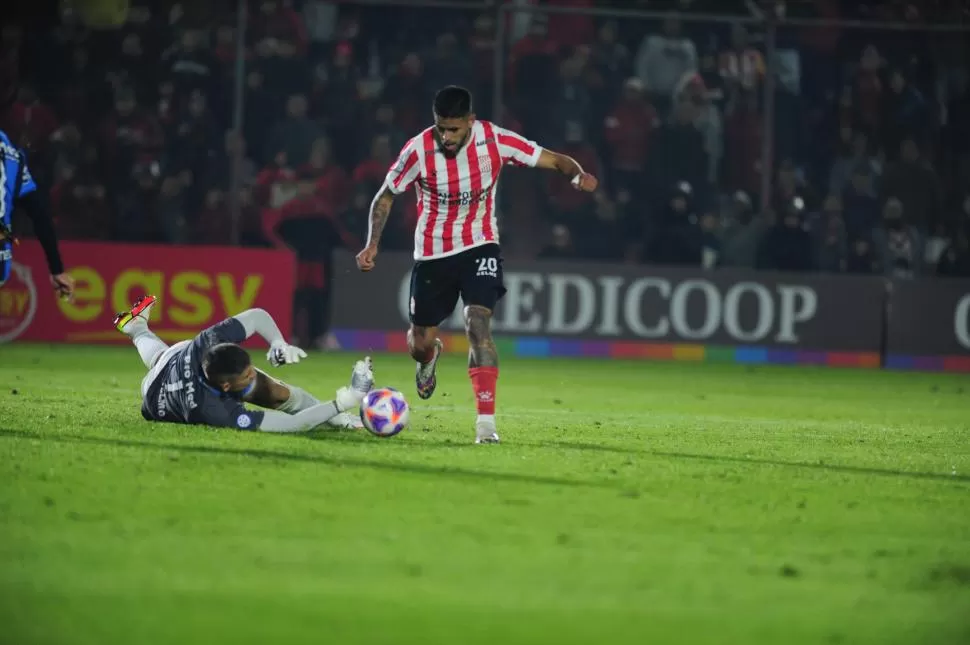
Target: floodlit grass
[{"x": 629, "y": 503}]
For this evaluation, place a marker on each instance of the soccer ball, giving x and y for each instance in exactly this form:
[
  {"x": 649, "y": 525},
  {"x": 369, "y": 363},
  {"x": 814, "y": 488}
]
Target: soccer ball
[{"x": 384, "y": 412}]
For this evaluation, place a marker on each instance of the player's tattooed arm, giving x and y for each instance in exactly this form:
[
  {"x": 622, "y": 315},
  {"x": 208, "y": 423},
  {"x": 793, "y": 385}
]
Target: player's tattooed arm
[
  {"x": 380, "y": 210},
  {"x": 481, "y": 347}
]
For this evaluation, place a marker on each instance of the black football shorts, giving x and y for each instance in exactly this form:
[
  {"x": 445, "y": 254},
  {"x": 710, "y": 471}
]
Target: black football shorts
[{"x": 474, "y": 275}]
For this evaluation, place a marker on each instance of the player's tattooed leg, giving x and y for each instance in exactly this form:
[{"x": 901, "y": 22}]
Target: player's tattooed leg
[{"x": 478, "y": 328}]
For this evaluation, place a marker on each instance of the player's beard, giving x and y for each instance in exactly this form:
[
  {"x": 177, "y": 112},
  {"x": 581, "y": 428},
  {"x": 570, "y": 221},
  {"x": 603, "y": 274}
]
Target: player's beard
[{"x": 451, "y": 154}]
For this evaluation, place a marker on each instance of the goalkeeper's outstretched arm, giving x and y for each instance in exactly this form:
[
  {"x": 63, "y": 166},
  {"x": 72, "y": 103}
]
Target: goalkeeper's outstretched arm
[{"x": 259, "y": 321}]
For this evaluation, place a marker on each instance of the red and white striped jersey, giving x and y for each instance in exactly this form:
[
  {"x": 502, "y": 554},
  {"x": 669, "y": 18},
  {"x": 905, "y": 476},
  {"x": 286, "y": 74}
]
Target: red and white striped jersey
[{"x": 456, "y": 195}]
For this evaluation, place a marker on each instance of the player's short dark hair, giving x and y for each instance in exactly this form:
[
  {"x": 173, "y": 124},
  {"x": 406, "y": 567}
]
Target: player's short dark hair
[
  {"x": 224, "y": 361},
  {"x": 453, "y": 102}
]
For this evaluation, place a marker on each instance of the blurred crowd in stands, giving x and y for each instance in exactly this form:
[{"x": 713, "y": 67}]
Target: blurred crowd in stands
[{"x": 131, "y": 128}]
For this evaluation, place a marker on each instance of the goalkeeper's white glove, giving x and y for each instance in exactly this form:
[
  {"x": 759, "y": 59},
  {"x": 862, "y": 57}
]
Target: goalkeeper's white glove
[{"x": 281, "y": 353}]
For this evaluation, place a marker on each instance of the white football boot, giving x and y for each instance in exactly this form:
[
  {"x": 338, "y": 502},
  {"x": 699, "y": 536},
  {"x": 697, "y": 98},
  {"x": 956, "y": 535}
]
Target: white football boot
[
  {"x": 485, "y": 431},
  {"x": 361, "y": 382}
]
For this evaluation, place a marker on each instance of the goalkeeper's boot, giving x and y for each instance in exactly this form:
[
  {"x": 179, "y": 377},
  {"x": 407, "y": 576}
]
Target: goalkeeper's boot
[
  {"x": 346, "y": 421},
  {"x": 424, "y": 375},
  {"x": 136, "y": 320},
  {"x": 361, "y": 382}
]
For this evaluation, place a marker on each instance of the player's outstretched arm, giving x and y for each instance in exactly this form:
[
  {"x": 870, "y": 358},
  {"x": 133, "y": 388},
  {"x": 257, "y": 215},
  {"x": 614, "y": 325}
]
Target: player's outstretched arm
[
  {"x": 566, "y": 165},
  {"x": 380, "y": 210},
  {"x": 37, "y": 208},
  {"x": 302, "y": 421},
  {"x": 258, "y": 321}
]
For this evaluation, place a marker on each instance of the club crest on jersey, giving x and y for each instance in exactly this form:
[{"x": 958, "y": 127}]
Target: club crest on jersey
[{"x": 485, "y": 163}]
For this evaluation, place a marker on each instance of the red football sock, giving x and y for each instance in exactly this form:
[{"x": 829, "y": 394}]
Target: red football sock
[{"x": 484, "y": 380}]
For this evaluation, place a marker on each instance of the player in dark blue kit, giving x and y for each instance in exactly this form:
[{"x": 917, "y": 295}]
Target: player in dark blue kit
[
  {"x": 207, "y": 380},
  {"x": 17, "y": 188}
]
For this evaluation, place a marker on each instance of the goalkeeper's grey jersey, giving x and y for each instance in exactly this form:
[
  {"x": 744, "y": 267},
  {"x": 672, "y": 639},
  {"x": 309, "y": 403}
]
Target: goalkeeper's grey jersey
[{"x": 181, "y": 395}]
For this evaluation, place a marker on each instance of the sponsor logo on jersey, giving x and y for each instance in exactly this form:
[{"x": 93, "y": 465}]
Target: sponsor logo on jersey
[{"x": 463, "y": 198}]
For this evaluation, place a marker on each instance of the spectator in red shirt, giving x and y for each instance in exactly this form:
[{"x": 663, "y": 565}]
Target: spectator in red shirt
[
  {"x": 533, "y": 71},
  {"x": 275, "y": 187},
  {"x": 322, "y": 185},
  {"x": 311, "y": 225},
  {"x": 627, "y": 133}
]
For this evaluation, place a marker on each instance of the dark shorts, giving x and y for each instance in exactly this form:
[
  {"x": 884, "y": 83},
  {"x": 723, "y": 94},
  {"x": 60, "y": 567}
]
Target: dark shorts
[{"x": 474, "y": 275}]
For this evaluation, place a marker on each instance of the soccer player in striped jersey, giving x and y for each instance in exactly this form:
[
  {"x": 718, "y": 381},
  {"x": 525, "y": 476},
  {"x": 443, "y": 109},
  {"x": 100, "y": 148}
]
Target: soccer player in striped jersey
[{"x": 454, "y": 167}]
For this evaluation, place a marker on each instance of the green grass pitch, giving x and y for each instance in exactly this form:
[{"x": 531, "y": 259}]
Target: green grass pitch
[{"x": 629, "y": 503}]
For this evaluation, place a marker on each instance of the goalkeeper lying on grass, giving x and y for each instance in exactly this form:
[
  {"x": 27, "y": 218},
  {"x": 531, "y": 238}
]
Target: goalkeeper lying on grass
[{"x": 207, "y": 379}]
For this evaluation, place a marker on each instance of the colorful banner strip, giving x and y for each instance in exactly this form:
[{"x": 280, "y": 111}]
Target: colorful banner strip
[
  {"x": 533, "y": 347},
  {"x": 928, "y": 363}
]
